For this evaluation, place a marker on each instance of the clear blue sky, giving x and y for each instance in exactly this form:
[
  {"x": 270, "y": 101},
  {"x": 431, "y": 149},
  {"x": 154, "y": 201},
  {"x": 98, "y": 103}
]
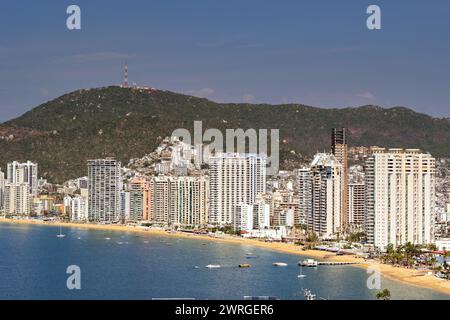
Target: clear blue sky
[{"x": 313, "y": 52}]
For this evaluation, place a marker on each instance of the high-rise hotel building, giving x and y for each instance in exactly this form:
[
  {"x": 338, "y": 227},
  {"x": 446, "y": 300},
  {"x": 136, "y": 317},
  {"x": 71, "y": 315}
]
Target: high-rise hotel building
[
  {"x": 400, "y": 197},
  {"x": 26, "y": 172},
  {"x": 235, "y": 179},
  {"x": 104, "y": 186},
  {"x": 339, "y": 147},
  {"x": 179, "y": 200},
  {"x": 17, "y": 199},
  {"x": 140, "y": 199},
  {"x": 304, "y": 186},
  {"x": 325, "y": 216},
  {"x": 357, "y": 205}
]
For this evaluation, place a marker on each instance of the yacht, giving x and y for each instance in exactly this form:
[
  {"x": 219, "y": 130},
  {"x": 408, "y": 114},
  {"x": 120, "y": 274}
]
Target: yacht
[{"x": 308, "y": 263}]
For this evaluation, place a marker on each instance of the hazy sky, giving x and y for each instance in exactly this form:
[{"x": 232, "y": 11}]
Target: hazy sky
[{"x": 315, "y": 52}]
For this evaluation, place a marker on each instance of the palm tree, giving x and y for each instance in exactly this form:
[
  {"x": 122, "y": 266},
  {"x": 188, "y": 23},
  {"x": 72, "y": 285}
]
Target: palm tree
[
  {"x": 411, "y": 251},
  {"x": 384, "y": 294}
]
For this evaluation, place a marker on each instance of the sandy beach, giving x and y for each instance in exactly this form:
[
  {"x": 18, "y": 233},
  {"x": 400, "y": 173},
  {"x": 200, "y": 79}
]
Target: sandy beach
[{"x": 409, "y": 276}]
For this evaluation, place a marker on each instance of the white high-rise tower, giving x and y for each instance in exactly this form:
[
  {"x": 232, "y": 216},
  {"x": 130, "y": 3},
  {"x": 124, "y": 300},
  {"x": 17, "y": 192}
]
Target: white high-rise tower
[
  {"x": 400, "y": 197},
  {"x": 235, "y": 179}
]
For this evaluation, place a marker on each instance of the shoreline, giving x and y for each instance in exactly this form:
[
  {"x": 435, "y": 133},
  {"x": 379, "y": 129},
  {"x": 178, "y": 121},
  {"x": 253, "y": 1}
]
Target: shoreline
[{"x": 407, "y": 276}]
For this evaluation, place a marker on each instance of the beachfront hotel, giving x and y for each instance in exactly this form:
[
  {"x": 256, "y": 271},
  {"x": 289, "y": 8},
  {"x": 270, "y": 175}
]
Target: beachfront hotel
[
  {"x": 357, "y": 205},
  {"x": 339, "y": 148},
  {"x": 400, "y": 197},
  {"x": 104, "y": 186},
  {"x": 325, "y": 216},
  {"x": 179, "y": 200},
  {"x": 235, "y": 179},
  {"x": 139, "y": 199},
  {"x": 27, "y": 172},
  {"x": 17, "y": 198}
]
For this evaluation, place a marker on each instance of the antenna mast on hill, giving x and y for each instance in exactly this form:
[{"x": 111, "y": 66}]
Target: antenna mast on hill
[{"x": 125, "y": 76}]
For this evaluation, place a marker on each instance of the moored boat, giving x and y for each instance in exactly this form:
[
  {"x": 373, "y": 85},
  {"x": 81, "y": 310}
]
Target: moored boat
[
  {"x": 308, "y": 263},
  {"x": 279, "y": 264},
  {"x": 245, "y": 265}
]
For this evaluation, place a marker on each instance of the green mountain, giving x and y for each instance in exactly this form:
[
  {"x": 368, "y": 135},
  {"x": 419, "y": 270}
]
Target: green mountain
[{"x": 127, "y": 123}]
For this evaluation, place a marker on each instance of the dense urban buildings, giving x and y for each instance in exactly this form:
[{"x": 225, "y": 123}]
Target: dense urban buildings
[
  {"x": 400, "y": 197},
  {"x": 389, "y": 194},
  {"x": 104, "y": 185}
]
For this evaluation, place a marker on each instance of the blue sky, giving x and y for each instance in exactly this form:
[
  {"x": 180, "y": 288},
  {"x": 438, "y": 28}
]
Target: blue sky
[{"x": 313, "y": 52}]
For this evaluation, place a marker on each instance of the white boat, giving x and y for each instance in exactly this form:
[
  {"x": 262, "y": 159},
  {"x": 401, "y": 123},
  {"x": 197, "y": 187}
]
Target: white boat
[
  {"x": 308, "y": 263},
  {"x": 213, "y": 266},
  {"x": 279, "y": 264},
  {"x": 107, "y": 238},
  {"x": 60, "y": 235}
]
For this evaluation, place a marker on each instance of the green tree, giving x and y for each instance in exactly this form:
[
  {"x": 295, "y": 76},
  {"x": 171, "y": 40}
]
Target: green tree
[{"x": 384, "y": 294}]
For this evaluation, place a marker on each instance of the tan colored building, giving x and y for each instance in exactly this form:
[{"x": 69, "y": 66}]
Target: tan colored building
[
  {"x": 179, "y": 200},
  {"x": 140, "y": 199}
]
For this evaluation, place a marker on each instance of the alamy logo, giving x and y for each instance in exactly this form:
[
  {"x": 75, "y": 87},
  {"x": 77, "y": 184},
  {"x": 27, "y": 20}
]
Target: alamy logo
[
  {"x": 374, "y": 280},
  {"x": 73, "y": 22},
  {"x": 74, "y": 280},
  {"x": 374, "y": 20},
  {"x": 235, "y": 141}
]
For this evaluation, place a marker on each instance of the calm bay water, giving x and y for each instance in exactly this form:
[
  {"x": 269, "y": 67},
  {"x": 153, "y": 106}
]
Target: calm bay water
[{"x": 33, "y": 263}]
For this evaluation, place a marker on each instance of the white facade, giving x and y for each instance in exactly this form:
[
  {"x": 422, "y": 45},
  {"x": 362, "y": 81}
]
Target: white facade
[
  {"x": 443, "y": 244},
  {"x": 234, "y": 179},
  {"x": 26, "y": 172},
  {"x": 325, "y": 215},
  {"x": 401, "y": 197},
  {"x": 261, "y": 215},
  {"x": 17, "y": 199},
  {"x": 78, "y": 207},
  {"x": 243, "y": 217}
]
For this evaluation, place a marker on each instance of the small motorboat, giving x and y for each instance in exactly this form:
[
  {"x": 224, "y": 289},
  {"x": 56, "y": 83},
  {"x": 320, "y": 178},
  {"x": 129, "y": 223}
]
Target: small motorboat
[
  {"x": 279, "y": 264},
  {"x": 245, "y": 265},
  {"x": 213, "y": 266}
]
